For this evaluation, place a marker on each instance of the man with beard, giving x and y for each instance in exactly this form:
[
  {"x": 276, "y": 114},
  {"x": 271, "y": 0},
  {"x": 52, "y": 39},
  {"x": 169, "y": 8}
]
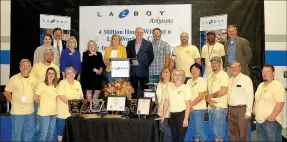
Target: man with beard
[
  {"x": 209, "y": 50},
  {"x": 39, "y": 69},
  {"x": 161, "y": 51},
  {"x": 39, "y": 72},
  {"x": 217, "y": 85},
  {"x": 268, "y": 106},
  {"x": 184, "y": 56}
]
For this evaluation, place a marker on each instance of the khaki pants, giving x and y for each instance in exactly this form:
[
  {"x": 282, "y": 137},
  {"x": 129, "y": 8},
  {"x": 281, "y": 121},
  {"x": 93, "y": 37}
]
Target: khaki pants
[{"x": 237, "y": 126}]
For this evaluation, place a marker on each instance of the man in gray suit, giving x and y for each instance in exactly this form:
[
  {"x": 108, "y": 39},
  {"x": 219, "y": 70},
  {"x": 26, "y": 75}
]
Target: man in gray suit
[{"x": 237, "y": 49}]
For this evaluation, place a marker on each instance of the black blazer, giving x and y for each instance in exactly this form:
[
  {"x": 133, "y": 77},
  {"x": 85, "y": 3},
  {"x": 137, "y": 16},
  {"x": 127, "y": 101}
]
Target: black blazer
[
  {"x": 63, "y": 44},
  {"x": 145, "y": 57}
]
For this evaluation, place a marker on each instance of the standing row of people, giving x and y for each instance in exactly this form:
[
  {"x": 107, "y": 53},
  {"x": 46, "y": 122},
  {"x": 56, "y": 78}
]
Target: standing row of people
[
  {"x": 40, "y": 86},
  {"x": 231, "y": 98}
]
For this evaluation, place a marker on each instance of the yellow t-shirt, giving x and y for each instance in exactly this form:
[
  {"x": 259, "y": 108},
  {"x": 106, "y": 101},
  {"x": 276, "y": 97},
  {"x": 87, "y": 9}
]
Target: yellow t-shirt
[
  {"x": 22, "y": 94},
  {"x": 177, "y": 97},
  {"x": 215, "y": 81},
  {"x": 266, "y": 99},
  {"x": 48, "y": 99},
  {"x": 209, "y": 51},
  {"x": 185, "y": 57},
  {"x": 161, "y": 91},
  {"x": 71, "y": 92},
  {"x": 198, "y": 86},
  {"x": 39, "y": 71}
]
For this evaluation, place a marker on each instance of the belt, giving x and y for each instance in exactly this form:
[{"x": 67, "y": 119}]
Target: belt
[{"x": 238, "y": 106}]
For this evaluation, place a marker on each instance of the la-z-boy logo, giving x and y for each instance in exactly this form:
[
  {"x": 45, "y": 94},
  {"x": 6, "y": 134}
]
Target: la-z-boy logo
[
  {"x": 210, "y": 22},
  {"x": 52, "y": 21},
  {"x": 126, "y": 12}
]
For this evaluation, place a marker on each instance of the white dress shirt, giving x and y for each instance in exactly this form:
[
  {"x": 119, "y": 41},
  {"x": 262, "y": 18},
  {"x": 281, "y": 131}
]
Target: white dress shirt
[
  {"x": 240, "y": 92},
  {"x": 60, "y": 45}
]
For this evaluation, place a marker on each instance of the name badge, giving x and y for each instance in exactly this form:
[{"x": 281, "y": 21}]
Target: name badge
[
  {"x": 23, "y": 99},
  {"x": 70, "y": 53},
  {"x": 208, "y": 63}
]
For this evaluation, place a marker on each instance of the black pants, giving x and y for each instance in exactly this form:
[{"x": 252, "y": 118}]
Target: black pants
[
  {"x": 134, "y": 81},
  {"x": 175, "y": 122}
]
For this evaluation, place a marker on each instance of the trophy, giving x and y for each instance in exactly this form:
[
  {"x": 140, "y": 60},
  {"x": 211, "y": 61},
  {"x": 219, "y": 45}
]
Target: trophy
[{"x": 126, "y": 113}]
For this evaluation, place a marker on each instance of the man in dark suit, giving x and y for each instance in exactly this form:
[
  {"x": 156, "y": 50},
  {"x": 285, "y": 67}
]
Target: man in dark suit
[
  {"x": 57, "y": 41},
  {"x": 237, "y": 49},
  {"x": 142, "y": 50}
]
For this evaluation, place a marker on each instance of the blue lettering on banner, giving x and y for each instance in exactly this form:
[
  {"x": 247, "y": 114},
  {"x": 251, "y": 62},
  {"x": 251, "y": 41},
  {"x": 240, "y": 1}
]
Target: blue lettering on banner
[
  {"x": 124, "y": 13},
  {"x": 52, "y": 21}
]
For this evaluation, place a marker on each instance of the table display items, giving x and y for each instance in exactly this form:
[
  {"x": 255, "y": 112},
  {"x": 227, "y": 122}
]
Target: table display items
[
  {"x": 115, "y": 104},
  {"x": 143, "y": 107},
  {"x": 85, "y": 108}
]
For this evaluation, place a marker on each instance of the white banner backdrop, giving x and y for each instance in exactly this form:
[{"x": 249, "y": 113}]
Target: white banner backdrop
[
  {"x": 53, "y": 21},
  {"x": 99, "y": 23},
  {"x": 213, "y": 22},
  {"x": 49, "y": 22}
]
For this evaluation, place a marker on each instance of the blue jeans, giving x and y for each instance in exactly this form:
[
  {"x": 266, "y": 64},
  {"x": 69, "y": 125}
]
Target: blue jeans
[
  {"x": 37, "y": 125},
  {"x": 23, "y": 127},
  {"x": 154, "y": 79},
  {"x": 269, "y": 131},
  {"x": 163, "y": 127},
  {"x": 60, "y": 124},
  {"x": 217, "y": 120},
  {"x": 197, "y": 124},
  {"x": 47, "y": 127}
]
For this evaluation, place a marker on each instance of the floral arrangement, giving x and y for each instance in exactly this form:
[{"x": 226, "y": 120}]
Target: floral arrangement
[{"x": 119, "y": 87}]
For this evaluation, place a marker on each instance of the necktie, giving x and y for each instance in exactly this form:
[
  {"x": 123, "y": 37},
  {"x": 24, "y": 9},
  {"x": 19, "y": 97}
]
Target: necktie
[{"x": 58, "y": 48}]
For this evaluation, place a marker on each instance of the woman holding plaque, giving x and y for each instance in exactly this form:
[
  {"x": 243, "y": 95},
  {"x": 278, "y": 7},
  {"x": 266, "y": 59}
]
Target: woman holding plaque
[
  {"x": 199, "y": 86},
  {"x": 177, "y": 99},
  {"x": 115, "y": 50},
  {"x": 46, "y": 96},
  {"x": 71, "y": 57},
  {"x": 68, "y": 89},
  {"x": 93, "y": 66},
  {"x": 165, "y": 80}
]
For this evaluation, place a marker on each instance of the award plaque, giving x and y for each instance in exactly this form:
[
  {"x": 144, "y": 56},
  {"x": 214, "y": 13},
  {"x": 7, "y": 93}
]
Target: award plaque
[
  {"x": 96, "y": 105},
  {"x": 75, "y": 106}
]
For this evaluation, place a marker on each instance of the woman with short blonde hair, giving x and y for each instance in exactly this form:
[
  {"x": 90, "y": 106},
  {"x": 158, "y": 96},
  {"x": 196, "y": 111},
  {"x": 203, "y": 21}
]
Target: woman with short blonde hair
[
  {"x": 93, "y": 66},
  {"x": 115, "y": 50},
  {"x": 177, "y": 99},
  {"x": 71, "y": 57},
  {"x": 68, "y": 89}
]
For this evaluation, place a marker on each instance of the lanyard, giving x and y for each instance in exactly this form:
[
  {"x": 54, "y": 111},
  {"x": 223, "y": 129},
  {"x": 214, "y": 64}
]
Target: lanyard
[
  {"x": 213, "y": 79},
  {"x": 23, "y": 84},
  {"x": 210, "y": 52}
]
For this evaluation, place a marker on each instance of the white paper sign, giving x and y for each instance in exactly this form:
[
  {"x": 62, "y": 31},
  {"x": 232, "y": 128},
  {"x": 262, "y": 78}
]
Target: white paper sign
[
  {"x": 120, "y": 68},
  {"x": 53, "y": 21}
]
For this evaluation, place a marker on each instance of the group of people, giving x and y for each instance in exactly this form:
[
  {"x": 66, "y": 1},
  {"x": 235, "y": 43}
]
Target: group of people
[{"x": 183, "y": 88}]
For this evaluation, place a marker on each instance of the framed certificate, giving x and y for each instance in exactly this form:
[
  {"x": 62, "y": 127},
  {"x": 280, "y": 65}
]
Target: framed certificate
[
  {"x": 143, "y": 107},
  {"x": 116, "y": 103},
  {"x": 150, "y": 94}
]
